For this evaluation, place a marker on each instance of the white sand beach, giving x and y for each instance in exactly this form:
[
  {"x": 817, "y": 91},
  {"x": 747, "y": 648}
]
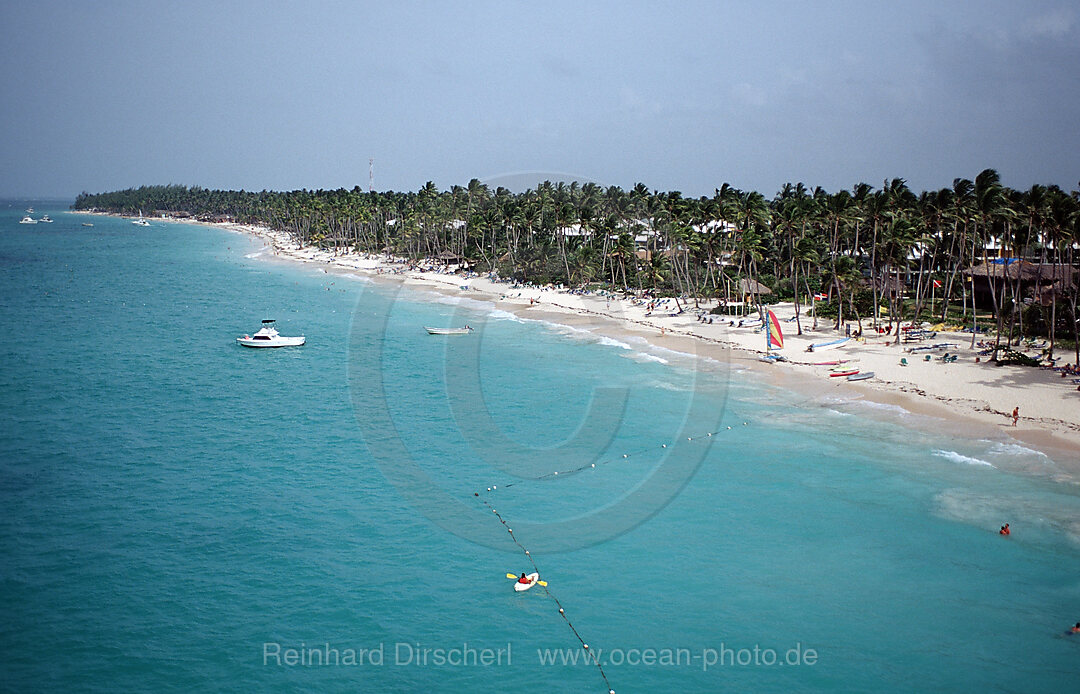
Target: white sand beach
[{"x": 970, "y": 391}]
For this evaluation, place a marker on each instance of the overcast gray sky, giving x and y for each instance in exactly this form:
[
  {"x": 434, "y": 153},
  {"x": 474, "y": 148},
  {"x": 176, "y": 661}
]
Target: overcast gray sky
[{"x": 680, "y": 96}]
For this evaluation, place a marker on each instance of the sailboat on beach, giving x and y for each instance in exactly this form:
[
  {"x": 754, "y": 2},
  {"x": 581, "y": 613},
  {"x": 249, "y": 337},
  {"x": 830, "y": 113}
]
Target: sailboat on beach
[{"x": 774, "y": 337}]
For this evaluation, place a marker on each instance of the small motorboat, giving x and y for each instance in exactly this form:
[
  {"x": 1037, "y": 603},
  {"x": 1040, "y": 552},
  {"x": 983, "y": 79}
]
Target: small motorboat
[
  {"x": 448, "y": 331},
  {"x": 140, "y": 222},
  {"x": 268, "y": 337},
  {"x": 46, "y": 219},
  {"x": 27, "y": 220},
  {"x": 87, "y": 224}
]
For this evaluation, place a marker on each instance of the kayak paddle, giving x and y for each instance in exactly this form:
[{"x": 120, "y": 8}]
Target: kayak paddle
[{"x": 515, "y": 576}]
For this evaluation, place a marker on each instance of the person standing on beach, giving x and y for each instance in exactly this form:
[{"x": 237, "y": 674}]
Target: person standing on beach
[{"x": 1015, "y": 415}]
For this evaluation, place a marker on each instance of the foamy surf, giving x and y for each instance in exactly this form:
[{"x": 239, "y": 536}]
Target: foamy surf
[
  {"x": 1014, "y": 449},
  {"x": 644, "y": 357},
  {"x": 960, "y": 458}
]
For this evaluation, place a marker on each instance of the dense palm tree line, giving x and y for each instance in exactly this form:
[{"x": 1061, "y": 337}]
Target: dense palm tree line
[{"x": 878, "y": 253}]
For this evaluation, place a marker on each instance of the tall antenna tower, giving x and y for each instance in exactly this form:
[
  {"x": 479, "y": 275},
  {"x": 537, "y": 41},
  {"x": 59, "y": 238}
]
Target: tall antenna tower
[{"x": 371, "y": 175}]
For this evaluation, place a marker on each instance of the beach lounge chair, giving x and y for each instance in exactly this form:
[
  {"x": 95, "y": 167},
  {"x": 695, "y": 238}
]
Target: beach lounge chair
[
  {"x": 928, "y": 357},
  {"x": 903, "y": 361}
]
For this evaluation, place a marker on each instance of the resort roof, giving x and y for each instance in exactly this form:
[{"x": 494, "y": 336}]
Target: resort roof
[
  {"x": 747, "y": 286},
  {"x": 1012, "y": 269}
]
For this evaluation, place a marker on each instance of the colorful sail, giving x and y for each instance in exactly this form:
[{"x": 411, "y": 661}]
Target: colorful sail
[{"x": 776, "y": 336}]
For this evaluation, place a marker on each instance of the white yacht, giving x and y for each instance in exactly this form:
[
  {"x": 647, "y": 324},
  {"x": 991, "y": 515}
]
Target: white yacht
[
  {"x": 46, "y": 219},
  {"x": 27, "y": 220},
  {"x": 140, "y": 222},
  {"x": 268, "y": 337}
]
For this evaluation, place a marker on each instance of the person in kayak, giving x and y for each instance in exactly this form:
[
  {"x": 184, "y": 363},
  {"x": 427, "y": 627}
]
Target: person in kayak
[{"x": 524, "y": 579}]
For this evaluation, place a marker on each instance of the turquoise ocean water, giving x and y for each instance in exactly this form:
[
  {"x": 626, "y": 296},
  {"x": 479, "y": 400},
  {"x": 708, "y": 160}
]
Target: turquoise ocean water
[{"x": 176, "y": 512}]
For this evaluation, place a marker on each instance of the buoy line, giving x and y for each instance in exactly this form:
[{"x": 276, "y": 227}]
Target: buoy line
[
  {"x": 590, "y": 466},
  {"x": 528, "y": 555},
  {"x": 551, "y": 595}
]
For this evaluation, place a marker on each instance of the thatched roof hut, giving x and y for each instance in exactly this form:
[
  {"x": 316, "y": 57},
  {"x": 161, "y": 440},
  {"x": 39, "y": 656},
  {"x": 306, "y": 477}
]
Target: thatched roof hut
[
  {"x": 1042, "y": 273},
  {"x": 1041, "y": 280},
  {"x": 748, "y": 286}
]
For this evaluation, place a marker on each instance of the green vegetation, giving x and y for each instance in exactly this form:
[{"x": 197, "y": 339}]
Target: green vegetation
[{"x": 883, "y": 255}]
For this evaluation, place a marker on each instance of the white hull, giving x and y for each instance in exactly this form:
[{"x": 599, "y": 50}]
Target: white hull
[
  {"x": 272, "y": 342},
  {"x": 522, "y": 587},
  {"x": 822, "y": 346},
  {"x": 448, "y": 331}
]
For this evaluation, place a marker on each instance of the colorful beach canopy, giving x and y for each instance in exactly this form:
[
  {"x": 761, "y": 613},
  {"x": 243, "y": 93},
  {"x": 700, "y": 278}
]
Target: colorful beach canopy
[{"x": 776, "y": 336}]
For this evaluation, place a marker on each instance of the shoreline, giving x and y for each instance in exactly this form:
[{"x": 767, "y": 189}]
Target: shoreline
[{"x": 977, "y": 396}]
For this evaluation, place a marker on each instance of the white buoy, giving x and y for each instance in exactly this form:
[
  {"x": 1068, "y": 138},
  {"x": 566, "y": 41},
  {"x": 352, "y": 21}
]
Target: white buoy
[
  {"x": 556, "y": 472},
  {"x": 625, "y": 456},
  {"x": 664, "y": 446}
]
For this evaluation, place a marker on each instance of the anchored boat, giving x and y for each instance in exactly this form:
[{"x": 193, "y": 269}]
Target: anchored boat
[
  {"x": 268, "y": 337},
  {"x": 448, "y": 331}
]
